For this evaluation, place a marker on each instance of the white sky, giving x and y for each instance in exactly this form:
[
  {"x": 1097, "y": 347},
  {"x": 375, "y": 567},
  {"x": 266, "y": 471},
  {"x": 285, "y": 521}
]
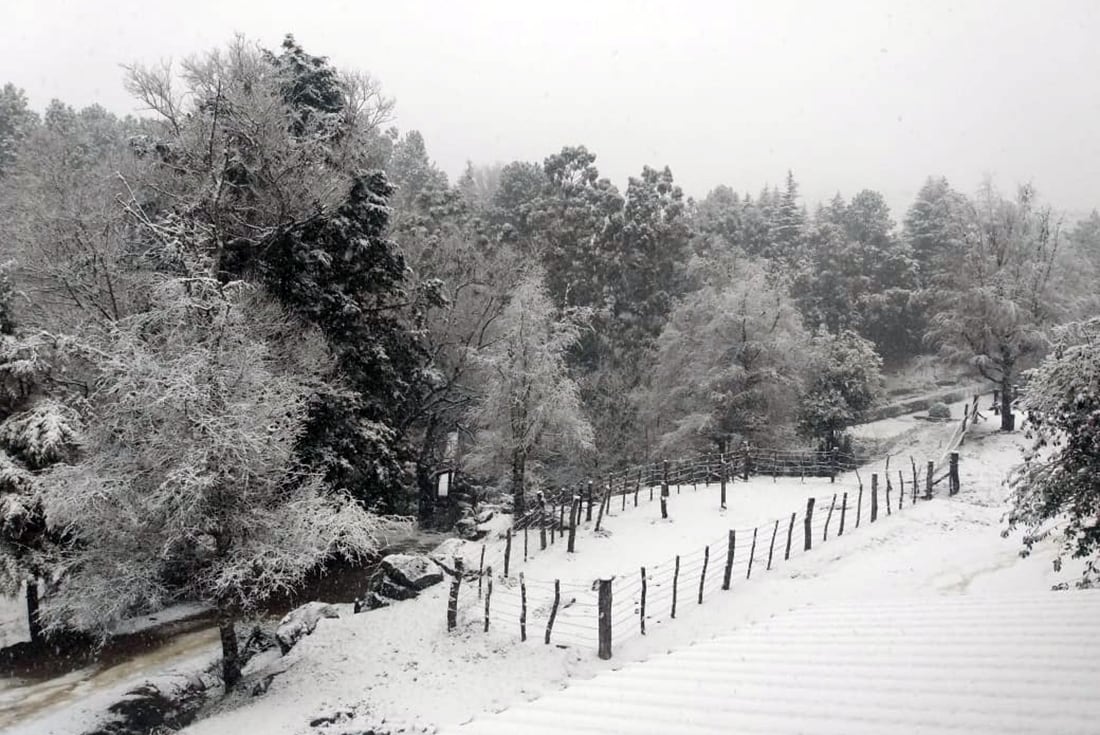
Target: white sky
[{"x": 849, "y": 95}]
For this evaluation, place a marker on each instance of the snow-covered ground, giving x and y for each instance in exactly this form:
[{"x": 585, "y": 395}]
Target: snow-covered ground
[{"x": 401, "y": 664}]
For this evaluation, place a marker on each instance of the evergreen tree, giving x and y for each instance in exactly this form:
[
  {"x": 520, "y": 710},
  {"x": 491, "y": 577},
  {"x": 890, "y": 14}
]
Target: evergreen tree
[
  {"x": 16, "y": 122},
  {"x": 844, "y": 383}
]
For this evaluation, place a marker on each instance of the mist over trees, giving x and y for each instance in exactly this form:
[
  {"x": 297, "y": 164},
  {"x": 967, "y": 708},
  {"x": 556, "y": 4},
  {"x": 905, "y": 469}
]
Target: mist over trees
[{"x": 247, "y": 321}]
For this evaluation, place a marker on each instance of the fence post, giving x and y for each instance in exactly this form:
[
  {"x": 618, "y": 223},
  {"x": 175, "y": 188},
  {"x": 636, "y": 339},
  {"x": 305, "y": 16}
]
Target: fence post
[
  {"x": 507, "y": 550},
  {"x": 488, "y": 594},
  {"x": 731, "y": 546},
  {"x": 480, "y": 571},
  {"x": 553, "y": 609},
  {"x": 752, "y": 553},
  {"x": 664, "y": 489},
  {"x": 771, "y": 547},
  {"x": 675, "y": 584},
  {"x": 928, "y": 480},
  {"x": 641, "y": 617},
  {"x": 561, "y": 517},
  {"x": 790, "y": 533},
  {"x": 828, "y": 519},
  {"x": 874, "y": 497},
  {"x": 703, "y": 576},
  {"x": 901, "y": 488},
  {"x": 843, "y": 512},
  {"x": 588, "y": 513},
  {"x": 745, "y": 460},
  {"x": 953, "y": 470},
  {"x": 604, "y": 606},
  {"x": 722, "y": 479},
  {"x": 574, "y": 518},
  {"x": 889, "y": 485},
  {"x": 452, "y": 601},
  {"x": 637, "y": 487},
  {"x": 833, "y": 462},
  {"x": 604, "y": 502},
  {"x": 916, "y": 481},
  {"x": 808, "y": 527},
  {"x": 522, "y": 608},
  {"x": 859, "y": 505},
  {"x": 542, "y": 521}
]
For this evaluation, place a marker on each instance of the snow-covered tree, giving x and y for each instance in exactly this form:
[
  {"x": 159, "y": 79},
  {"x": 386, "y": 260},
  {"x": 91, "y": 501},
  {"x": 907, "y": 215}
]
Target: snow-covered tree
[
  {"x": 1058, "y": 485},
  {"x": 844, "y": 382},
  {"x": 529, "y": 410},
  {"x": 728, "y": 364},
  {"x": 189, "y": 485},
  {"x": 994, "y": 305}
]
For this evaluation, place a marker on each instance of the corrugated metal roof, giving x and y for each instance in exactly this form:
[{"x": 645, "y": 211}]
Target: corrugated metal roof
[{"x": 947, "y": 664}]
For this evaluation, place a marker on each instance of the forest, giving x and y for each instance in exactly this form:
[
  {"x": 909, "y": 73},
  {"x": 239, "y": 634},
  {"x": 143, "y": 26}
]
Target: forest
[{"x": 245, "y": 331}]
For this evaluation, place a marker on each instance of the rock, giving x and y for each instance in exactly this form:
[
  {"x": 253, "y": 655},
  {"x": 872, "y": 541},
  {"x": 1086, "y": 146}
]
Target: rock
[
  {"x": 448, "y": 550},
  {"x": 484, "y": 516},
  {"x": 300, "y": 622},
  {"x": 467, "y": 528},
  {"x": 375, "y": 601},
  {"x": 261, "y": 687},
  {"x": 416, "y": 572},
  {"x": 393, "y": 591}
]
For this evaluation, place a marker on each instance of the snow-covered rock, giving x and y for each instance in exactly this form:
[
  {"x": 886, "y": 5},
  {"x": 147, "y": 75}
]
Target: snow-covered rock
[
  {"x": 412, "y": 571},
  {"x": 300, "y": 622},
  {"x": 447, "y": 551}
]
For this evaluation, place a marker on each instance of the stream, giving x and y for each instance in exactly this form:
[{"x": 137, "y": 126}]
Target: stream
[{"x": 33, "y": 686}]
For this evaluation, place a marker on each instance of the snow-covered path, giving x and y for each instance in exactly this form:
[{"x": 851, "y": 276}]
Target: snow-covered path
[{"x": 971, "y": 663}]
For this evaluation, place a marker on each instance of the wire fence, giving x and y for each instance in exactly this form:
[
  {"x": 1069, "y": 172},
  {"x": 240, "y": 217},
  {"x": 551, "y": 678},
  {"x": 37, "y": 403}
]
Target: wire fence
[{"x": 496, "y": 596}]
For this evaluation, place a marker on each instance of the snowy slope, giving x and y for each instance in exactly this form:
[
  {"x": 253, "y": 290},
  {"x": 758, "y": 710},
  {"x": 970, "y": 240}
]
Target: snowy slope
[{"x": 975, "y": 664}]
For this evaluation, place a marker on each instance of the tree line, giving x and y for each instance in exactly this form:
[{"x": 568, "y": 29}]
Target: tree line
[{"x": 237, "y": 333}]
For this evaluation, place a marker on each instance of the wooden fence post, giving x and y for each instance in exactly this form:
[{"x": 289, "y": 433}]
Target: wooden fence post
[
  {"x": 637, "y": 487},
  {"x": 916, "y": 481},
  {"x": 752, "y": 553},
  {"x": 745, "y": 460},
  {"x": 888, "y": 486},
  {"x": 480, "y": 571},
  {"x": 561, "y": 517},
  {"x": 808, "y": 527},
  {"x": 641, "y": 617},
  {"x": 452, "y": 601},
  {"x": 771, "y": 547},
  {"x": 553, "y": 609},
  {"x": 928, "y": 480},
  {"x": 675, "y": 583},
  {"x": 574, "y": 519},
  {"x": 722, "y": 478},
  {"x": 604, "y": 607},
  {"x": 522, "y": 608},
  {"x": 953, "y": 473},
  {"x": 833, "y": 464},
  {"x": 731, "y": 546},
  {"x": 703, "y": 576},
  {"x": 542, "y": 522},
  {"x": 664, "y": 489},
  {"x": 790, "y": 534},
  {"x": 588, "y": 514},
  {"x": 874, "y": 497},
  {"x": 525, "y": 545},
  {"x": 843, "y": 513},
  {"x": 859, "y": 505},
  {"x": 901, "y": 488},
  {"x": 624, "y": 493},
  {"x": 507, "y": 550},
  {"x": 604, "y": 502},
  {"x": 488, "y": 594},
  {"x": 828, "y": 519}
]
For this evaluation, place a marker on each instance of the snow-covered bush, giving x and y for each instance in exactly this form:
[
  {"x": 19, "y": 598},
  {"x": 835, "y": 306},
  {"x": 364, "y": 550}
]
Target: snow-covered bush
[{"x": 939, "y": 410}]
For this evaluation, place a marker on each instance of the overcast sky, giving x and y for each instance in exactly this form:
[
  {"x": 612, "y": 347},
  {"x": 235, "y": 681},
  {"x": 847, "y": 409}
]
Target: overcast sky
[{"x": 849, "y": 95}]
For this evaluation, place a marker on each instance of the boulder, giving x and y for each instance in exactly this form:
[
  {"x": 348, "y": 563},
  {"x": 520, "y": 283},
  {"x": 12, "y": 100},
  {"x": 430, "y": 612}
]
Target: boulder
[
  {"x": 484, "y": 516},
  {"x": 467, "y": 528},
  {"x": 447, "y": 551},
  {"x": 412, "y": 571},
  {"x": 393, "y": 591},
  {"x": 300, "y": 622}
]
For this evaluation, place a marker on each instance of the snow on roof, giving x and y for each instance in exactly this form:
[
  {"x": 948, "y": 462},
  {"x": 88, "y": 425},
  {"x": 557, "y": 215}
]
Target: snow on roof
[{"x": 967, "y": 664}]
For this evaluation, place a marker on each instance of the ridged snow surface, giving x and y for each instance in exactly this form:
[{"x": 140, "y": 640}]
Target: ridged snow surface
[{"x": 965, "y": 664}]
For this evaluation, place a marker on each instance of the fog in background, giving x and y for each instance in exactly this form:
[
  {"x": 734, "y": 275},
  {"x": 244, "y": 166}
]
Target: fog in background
[{"x": 849, "y": 95}]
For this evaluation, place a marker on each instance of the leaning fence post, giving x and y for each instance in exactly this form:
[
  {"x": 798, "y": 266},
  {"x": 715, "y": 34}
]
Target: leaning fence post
[
  {"x": 928, "y": 480},
  {"x": 730, "y": 548},
  {"x": 843, "y": 513},
  {"x": 675, "y": 583},
  {"x": 574, "y": 518},
  {"x": 488, "y": 594},
  {"x": 953, "y": 471},
  {"x": 603, "y": 602},
  {"x": 790, "y": 533},
  {"x": 771, "y": 547},
  {"x": 916, "y": 481},
  {"x": 480, "y": 571},
  {"x": 641, "y": 610},
  {"x": 507, "y": 549},
  {"x": 828, "y": 519},
  {"x": 553, "y": 609},
  {"x": 522, "y": 608},
  {"x": 703, "y": 576},
  {"x": 752, "y": 553},
  {"x": 808, "y": 527},
  {"x": 874, "y": 497},
  {"x": 452, "y": 601},
  {"x": 604, "y": 502}
]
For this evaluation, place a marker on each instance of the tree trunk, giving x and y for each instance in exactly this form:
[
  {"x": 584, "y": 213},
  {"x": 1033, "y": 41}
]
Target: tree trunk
[
  {"x": 231, "y": 657},
  {"x": 1008, "y": 419},
  {"x": 519, "y": 462},
  {"x": 34, "y": 622}
]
